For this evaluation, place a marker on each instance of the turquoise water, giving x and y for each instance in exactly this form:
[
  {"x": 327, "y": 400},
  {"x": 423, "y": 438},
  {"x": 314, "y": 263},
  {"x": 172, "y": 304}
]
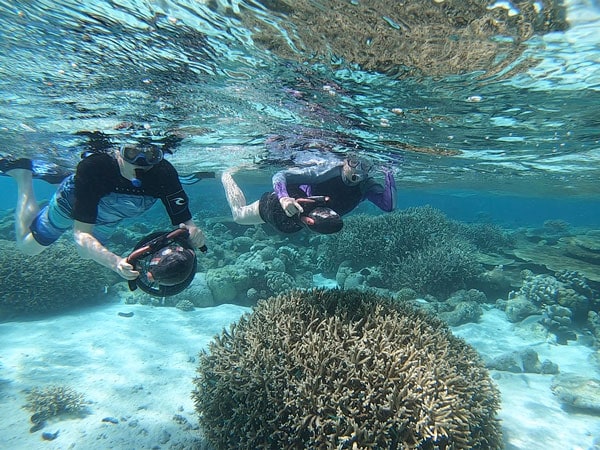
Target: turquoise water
[
  {"x": 509, "y": 137},
  {"x": 69, "y": 66}
]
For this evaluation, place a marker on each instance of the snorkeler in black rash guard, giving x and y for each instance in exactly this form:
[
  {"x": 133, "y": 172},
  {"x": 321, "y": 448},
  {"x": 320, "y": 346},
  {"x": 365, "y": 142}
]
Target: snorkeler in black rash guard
[
  {"x": 314, "y": 197},
  {"x": 106, "y": 188}
]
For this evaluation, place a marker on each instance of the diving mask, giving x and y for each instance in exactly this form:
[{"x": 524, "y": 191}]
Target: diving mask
[
  {"x": 141, "y": 155},
  {"x": 356, "y": 169}
]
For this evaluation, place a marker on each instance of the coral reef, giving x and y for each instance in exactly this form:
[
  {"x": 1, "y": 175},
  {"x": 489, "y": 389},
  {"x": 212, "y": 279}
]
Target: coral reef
[
  {"x": 559, "y": 321},
  {"x": 367, "y": 277},
  {"x": 426, "y": 251},
  {"x": 463, "y": 307},
  {"x": 52, "y": 401},
  {"x": 487, "y": 237},
  {"x": 226, "y": 283},
  {"x": 593, "y": 323},
  {"x": 438, "y": 269},
  {"x": 279, "y": 282},
  {"x": 344, "y": 369},
  {"x": 7, "y": 225},
  {"x": 384, "y": 237},
  {"x": 585, "y": 247},
  {"x": 564, "y": 304},
  {"x": 573, "y": 253},
  {"x": 575, "y": 281},
  {"x": 257, "y": 267},
  {"x": 197, "y": 293},
  {"x": 411, "y": 37},
  {"x": 524, "y": 361},
  {"x": 540, "y": 289},
  {"x": 55, "y": 279},
  {"x": 184, "y": 305},
  {"x": 419, "y": 248},
  {"x": 518, "y": 308},
  {"x": 406, "y": 294},
  {"x": 496, "y": 282}
]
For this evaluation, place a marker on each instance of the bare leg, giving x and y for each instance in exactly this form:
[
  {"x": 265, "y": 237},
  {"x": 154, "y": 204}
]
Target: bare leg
[
  {"x": 26, "y": 210},
  {"x": 242, "y": 213}
]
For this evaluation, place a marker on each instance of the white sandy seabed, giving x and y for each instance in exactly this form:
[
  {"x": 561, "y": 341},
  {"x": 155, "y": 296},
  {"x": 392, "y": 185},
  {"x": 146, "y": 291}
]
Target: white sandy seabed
[{"x": 138, "y": 371}]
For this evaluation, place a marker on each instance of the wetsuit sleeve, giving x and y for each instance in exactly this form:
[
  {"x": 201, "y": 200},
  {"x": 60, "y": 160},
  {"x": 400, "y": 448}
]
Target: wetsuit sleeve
[
  {"x": 92, "y": 181},
  {"x": 280, "y": 184},
  {"x": 173, "y": 196},
  {"x": 382, "y": 196},
  {"x": 303, "y": 176}
]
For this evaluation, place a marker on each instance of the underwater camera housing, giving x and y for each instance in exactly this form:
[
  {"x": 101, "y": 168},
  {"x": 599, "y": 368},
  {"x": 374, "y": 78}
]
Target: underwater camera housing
[{"x": 143, "y": 253}]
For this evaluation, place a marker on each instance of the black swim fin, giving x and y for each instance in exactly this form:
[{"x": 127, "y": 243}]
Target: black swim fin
[
  {"x": 7, "y": 163},
  {"x": 50, "y": 173}
]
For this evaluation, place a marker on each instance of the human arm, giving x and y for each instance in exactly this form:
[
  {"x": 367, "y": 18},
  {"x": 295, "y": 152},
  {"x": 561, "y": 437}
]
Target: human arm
[
  {"x": 175, "y": 199},
  {"x": 94, "y": 178},
  {"x": 383, "y": 196},
  {"x": 289, "y": 205},
  {"x": 176, "y": 202},
  {"x": 89, "y": 247},
  {"x": 303, "y": 177}
]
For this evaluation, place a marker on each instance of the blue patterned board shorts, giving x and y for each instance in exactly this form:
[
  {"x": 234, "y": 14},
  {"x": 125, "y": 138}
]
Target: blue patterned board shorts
[{"x": 56, "y": 217}]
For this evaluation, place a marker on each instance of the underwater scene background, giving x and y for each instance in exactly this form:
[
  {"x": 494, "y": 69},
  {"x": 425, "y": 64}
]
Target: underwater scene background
[{"x": 467, "y": 318}]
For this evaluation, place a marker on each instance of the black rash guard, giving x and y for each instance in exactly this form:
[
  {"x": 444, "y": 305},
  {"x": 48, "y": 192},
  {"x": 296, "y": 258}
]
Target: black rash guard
[{"x": 99, "y": 175}]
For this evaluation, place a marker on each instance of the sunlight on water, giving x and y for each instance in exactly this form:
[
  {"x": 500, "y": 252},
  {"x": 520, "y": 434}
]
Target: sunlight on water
[{"x": 205, "y": 68}]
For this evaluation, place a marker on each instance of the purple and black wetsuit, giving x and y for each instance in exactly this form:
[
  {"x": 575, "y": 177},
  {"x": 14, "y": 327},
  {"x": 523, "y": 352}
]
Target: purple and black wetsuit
[{"x": 323, "y": 180}]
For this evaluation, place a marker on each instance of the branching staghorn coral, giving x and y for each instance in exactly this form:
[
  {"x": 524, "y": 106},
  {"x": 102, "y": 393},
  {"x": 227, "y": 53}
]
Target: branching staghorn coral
[
  {"x": 385, "y": 237},
  {"x": 53, "y": 401},
  {"x": 418, "y": 248},
  {"x": 53, "y": 280},
  {"x": 344, "y": 369}
]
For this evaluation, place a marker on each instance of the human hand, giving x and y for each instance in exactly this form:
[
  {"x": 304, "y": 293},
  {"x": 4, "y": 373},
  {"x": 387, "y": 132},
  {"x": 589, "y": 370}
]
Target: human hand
[
  {"x": 197, "y": 238},
  {"x": 126, "y": 270},
  {"x": 290, "y": 206}
]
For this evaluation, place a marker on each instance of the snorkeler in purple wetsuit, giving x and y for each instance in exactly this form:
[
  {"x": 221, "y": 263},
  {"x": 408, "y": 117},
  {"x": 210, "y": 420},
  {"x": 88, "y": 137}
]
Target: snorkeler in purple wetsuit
[{"x": 314, "y": 197}]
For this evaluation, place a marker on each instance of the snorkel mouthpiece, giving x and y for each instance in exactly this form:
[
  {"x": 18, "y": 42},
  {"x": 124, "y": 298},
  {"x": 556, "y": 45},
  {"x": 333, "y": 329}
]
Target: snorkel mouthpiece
[{"x": 135, "y": 181}]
